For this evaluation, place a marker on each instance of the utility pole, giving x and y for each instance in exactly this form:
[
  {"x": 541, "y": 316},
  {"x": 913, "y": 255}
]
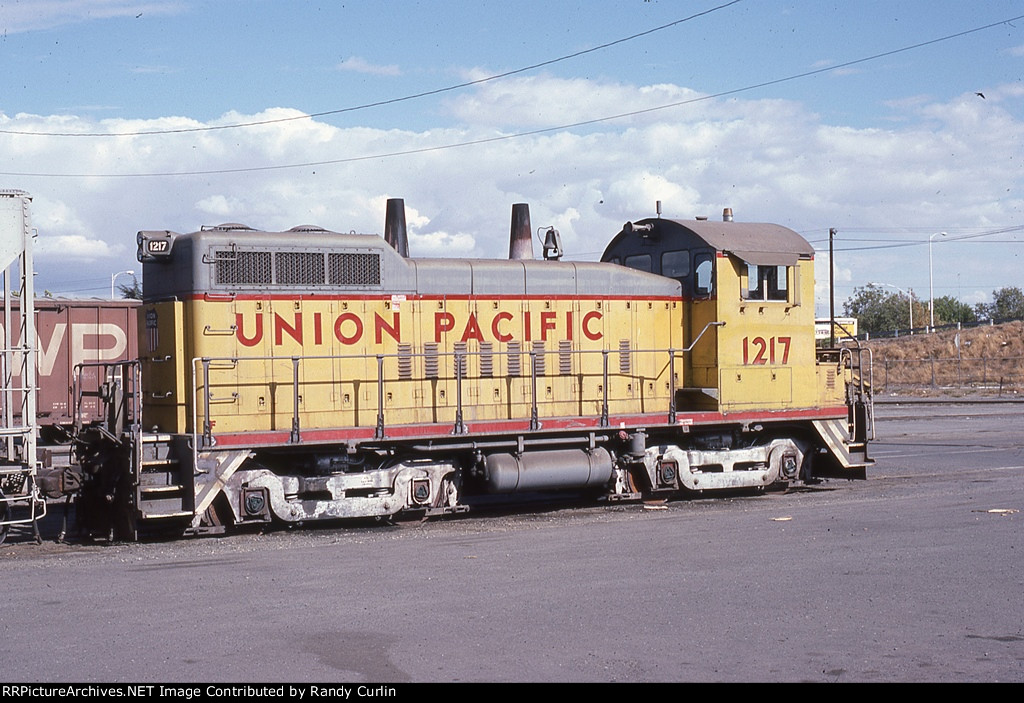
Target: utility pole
[{"x": 831, "y": 292}]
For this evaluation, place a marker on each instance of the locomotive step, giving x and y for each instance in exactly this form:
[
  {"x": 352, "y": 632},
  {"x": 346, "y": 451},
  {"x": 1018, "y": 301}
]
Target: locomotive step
[
  {"x": 167, "y": 516},
  {"x": 169, "y": 488},
  {"x": 162, "y": 507},
  {"x": 159, "y": 478},
  {"x": 158, "y": 462}
]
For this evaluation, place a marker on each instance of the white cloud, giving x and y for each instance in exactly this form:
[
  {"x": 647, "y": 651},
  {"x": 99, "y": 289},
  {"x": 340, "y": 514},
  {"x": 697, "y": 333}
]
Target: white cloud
[
  {"x": 357, "y": 64},
  {"x": 76, "y": 247},
  {"x": 441, "y": 244},
  {"x": 44, "y": 14},
  {"x": 545, "y": 101},
  {"x": 219, "y": 205},
  {"x": 945, "y": 166},
  {"x": 157, "y": 70}
]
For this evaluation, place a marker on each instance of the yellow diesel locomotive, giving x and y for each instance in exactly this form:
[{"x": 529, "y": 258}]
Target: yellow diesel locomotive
[{"x": 309, "y": 375}]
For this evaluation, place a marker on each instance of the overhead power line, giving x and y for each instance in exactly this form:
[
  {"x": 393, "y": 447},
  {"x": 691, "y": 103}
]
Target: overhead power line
[
  {"x": 380, "y": 103},
  {"x": 954, "y": 238},
  {"x": 517, "y": 135}
]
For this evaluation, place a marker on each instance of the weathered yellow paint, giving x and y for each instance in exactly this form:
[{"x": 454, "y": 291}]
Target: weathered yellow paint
[
  {"x": 762, "y": 358},
  {"x": 165, "y": 366},
  {"x": 766, "y": 348},
  {"x": 252, "y": 343}
]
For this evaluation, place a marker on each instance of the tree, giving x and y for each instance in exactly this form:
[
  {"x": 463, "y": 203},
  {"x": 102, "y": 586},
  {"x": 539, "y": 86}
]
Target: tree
[
  {"x": 949, "y": 311},
  {"x": 1007, "y": 304},
  {"x": 877, "y": 310},
  {"x": 131, "y": 291}
]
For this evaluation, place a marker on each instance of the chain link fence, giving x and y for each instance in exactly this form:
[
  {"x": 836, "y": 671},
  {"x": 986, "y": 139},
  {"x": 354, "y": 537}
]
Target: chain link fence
[{"x": 1002, "y": 375}]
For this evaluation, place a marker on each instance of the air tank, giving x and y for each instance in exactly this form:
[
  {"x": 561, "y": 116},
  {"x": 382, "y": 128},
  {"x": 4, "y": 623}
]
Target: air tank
[{"x": 562, "y": 469}]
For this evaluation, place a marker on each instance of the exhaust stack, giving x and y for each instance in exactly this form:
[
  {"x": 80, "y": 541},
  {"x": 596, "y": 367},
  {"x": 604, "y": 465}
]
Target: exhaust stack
[
  {"x": 520, "y": 245},
  {"x": 394, "y": 226}
]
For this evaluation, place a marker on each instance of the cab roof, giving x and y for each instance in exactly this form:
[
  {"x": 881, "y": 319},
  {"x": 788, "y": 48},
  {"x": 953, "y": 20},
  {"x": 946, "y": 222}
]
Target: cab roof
[{"x": 757, "y": 243}]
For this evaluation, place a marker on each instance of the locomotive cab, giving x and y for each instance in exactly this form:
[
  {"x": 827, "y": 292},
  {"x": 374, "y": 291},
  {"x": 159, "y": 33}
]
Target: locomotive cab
[{"x": 753, "y": 283}]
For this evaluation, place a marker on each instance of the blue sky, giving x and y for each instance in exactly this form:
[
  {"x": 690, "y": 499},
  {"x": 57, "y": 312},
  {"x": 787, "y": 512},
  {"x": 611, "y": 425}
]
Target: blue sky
[{"x": 888, "y": 151}]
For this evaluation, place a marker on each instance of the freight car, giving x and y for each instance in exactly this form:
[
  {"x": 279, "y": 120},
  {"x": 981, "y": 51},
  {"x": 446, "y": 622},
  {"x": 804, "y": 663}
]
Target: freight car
[
  {"x": 310, "y": 375},
  {"x": 70, "y": 332}
]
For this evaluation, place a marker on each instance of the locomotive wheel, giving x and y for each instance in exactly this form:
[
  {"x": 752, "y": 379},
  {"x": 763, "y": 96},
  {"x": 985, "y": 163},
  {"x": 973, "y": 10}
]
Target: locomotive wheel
[{"x": 637, "y": 480}]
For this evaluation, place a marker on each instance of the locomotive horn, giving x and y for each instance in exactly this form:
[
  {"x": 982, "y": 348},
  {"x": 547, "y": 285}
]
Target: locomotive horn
[
  {"x": 520, "y": 245},
  {"x": 394, "y": 226}
]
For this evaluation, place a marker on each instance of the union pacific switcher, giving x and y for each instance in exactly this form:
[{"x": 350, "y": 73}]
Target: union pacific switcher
[{"x": 307, "y": 375}]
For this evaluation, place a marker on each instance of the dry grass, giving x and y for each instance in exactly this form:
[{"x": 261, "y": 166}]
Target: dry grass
[{"x": 990, "y": 359}]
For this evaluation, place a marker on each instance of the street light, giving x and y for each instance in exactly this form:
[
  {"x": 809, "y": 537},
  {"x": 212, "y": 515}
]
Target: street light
[
  {"x": 910, "y": 297},
  {"x": 114, "y": 277},
  {"x": 931, "y": 284}
]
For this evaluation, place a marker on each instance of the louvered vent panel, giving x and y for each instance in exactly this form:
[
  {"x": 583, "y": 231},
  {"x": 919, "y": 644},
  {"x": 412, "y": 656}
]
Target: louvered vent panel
[
  {"x": 539, "y": 355},
  {"x": 459, "y": 359},
  {"x": 430, "y": 360},
  {"x": 625, "y": 360},
  {"x": 565, "y": 357},
  {"x": 515, "y": 359},
  {"x": 486, "y": 359},
  {"x": 405, "y": 361}
]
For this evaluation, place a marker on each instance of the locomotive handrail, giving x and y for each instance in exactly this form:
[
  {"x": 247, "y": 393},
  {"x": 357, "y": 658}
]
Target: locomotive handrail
[
  {"x": 861, "y": 389},
  {"x": 218, "y": 297},
  {"x": 716, "y": 323},
  {"x": 127, "y": 409},
  {"x": 108, "y": 367},
  {"x": 225, "y": 332},
  {"x": 459, "y": 356},
  {"x": 672, "y": 367}
]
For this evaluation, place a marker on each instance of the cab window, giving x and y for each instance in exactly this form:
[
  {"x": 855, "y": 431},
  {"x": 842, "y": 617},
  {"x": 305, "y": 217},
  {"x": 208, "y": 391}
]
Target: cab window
[
  {"x": 704, "y": 268},
  {"x": 640, "y": 262},
  {"x": 675, "y": 264},
  {"x": 767, "y": 283}
]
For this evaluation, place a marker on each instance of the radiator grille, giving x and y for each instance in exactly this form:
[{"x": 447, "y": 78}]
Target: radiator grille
[
  {"x": 243, "y": 268},
  {"x": 299, "y": 268},
  {"x": 354, "y": 269},
  {"x": 295, "y": 268}
]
